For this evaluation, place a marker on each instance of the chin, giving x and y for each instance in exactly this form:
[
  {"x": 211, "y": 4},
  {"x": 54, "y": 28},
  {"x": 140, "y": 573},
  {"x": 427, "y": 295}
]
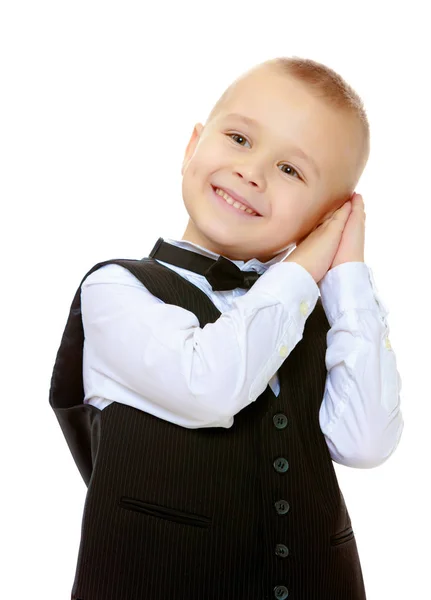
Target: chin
[{"x": 218, "y": 237}]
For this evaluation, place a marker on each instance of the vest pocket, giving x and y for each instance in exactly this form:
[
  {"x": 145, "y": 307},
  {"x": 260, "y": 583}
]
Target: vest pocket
[
  {"x": 342, "y": 536},
  {"x": 164, "y": 512}
]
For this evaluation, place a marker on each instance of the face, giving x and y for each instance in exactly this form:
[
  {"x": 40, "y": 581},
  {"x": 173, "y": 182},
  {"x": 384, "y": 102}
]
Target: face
[{"x": 293, "y": 191}]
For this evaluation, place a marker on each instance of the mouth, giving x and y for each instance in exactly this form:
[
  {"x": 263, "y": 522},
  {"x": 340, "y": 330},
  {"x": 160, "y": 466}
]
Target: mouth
[{"x": 240, "y": 208}]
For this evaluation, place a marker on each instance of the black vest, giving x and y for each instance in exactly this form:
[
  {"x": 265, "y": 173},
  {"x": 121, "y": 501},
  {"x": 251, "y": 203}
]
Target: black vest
[{"x": 251, "y": 512}]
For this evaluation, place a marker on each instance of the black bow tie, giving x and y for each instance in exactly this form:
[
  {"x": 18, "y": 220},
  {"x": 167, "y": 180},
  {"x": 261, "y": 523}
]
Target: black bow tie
[{"x": 222, "y": 274}]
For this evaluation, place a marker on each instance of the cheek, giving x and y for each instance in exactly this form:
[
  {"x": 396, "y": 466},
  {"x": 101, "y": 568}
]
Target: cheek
[
  {"x": 197, "y": 168},
  {"x": 310, "y": 222},
  {"x": 193, "y": 184},
  {"x": 292, "y": 206},
  {"x": 191, "y": 181},
  {"x": 297, "y": 223}
]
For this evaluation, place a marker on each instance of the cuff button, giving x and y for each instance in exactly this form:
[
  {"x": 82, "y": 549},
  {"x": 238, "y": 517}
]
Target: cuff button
[{"x": 303, "y": 307}]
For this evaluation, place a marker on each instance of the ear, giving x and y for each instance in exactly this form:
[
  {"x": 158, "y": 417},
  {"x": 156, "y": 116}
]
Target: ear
[{"x": 191, "y": 146}]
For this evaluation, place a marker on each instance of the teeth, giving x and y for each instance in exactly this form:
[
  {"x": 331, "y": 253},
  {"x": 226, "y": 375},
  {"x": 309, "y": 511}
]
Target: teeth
[{"x": 235, "y": 203}]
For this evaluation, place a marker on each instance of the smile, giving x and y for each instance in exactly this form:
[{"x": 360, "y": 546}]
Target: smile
[{"x": 234, "y": 203}]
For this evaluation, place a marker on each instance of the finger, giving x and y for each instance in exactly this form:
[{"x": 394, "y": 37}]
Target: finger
[
  {"x": 342, "y": 209},
  {"x": 336, "y": 212}
]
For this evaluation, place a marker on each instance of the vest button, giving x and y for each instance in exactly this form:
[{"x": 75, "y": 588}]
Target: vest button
[
  {"x": 280, "y": 420},
  {"x": 282, "y": 507},
  {"x": 281, "y": 465},
  {"x": 281, "y": 550},
  {"x": 281, "y": 592}
]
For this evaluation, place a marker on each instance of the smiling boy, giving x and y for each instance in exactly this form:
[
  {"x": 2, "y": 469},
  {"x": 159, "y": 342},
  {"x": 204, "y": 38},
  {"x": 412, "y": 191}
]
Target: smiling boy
[
  {"x": 277, "y": 117},
  {"x": 205, "y": 390}
]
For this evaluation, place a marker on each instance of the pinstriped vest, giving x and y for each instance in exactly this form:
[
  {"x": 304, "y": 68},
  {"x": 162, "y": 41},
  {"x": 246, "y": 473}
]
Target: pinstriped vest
[{"x": 252, "y": 512}]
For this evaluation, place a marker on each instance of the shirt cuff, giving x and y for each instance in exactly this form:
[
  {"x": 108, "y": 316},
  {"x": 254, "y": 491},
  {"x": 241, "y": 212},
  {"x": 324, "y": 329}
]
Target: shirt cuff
[
  {"x": 292, "y": 285},
  {"x": 349, "y": 286}
]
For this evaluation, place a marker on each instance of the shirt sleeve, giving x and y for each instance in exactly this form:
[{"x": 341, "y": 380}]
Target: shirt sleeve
[
  {"x": 173, "y": 368},
  {"x": 360, "y": 415}
]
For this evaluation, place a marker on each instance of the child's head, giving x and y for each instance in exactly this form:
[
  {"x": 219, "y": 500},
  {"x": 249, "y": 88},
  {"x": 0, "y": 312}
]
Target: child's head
[{"x": 295, "y": 104}]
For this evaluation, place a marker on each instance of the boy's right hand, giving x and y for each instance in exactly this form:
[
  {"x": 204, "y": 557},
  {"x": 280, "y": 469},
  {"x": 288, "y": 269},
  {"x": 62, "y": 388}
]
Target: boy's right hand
[{"x": 316, "y": 251}]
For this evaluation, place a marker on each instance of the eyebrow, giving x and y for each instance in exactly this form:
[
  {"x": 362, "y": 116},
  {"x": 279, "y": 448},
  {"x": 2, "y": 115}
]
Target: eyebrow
[{"x": 295, "y": 150}]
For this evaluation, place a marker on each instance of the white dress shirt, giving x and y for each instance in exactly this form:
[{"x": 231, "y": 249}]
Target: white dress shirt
[{"x": 155, "y": 356}]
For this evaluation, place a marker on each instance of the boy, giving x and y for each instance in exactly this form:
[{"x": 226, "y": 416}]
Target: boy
[{"x": 193, "y": 407}]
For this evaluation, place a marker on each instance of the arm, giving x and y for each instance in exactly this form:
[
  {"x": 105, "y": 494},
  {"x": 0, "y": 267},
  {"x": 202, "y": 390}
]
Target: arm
[
  {"x": 169, "y": 365},
  {"x": 360, "y": 414}
]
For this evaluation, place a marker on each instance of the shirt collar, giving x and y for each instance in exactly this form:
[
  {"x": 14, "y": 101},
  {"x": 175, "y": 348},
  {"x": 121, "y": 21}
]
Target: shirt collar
[{"x": 259, "y": 267}]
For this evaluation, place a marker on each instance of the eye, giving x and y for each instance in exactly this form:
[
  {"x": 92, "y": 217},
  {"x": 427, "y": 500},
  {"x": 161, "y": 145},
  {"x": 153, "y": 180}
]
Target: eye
[
  {"x": 292, "y": 169},
  {"x": 238, "y": 135}
]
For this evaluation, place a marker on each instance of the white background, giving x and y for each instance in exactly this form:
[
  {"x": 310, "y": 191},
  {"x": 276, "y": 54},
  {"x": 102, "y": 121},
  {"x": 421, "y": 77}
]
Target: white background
[{"x": 98, "y": 101}]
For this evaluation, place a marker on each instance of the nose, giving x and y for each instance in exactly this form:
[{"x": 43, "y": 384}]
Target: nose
[{"x": 250, "y": 176}]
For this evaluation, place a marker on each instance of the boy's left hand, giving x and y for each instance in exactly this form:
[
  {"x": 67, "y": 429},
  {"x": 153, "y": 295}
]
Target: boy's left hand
[{"x": 351, "y": 248}]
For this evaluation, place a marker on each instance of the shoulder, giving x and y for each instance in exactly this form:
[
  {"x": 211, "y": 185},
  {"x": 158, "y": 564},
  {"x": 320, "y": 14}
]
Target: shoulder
[{"x": 111, "y": 273}]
